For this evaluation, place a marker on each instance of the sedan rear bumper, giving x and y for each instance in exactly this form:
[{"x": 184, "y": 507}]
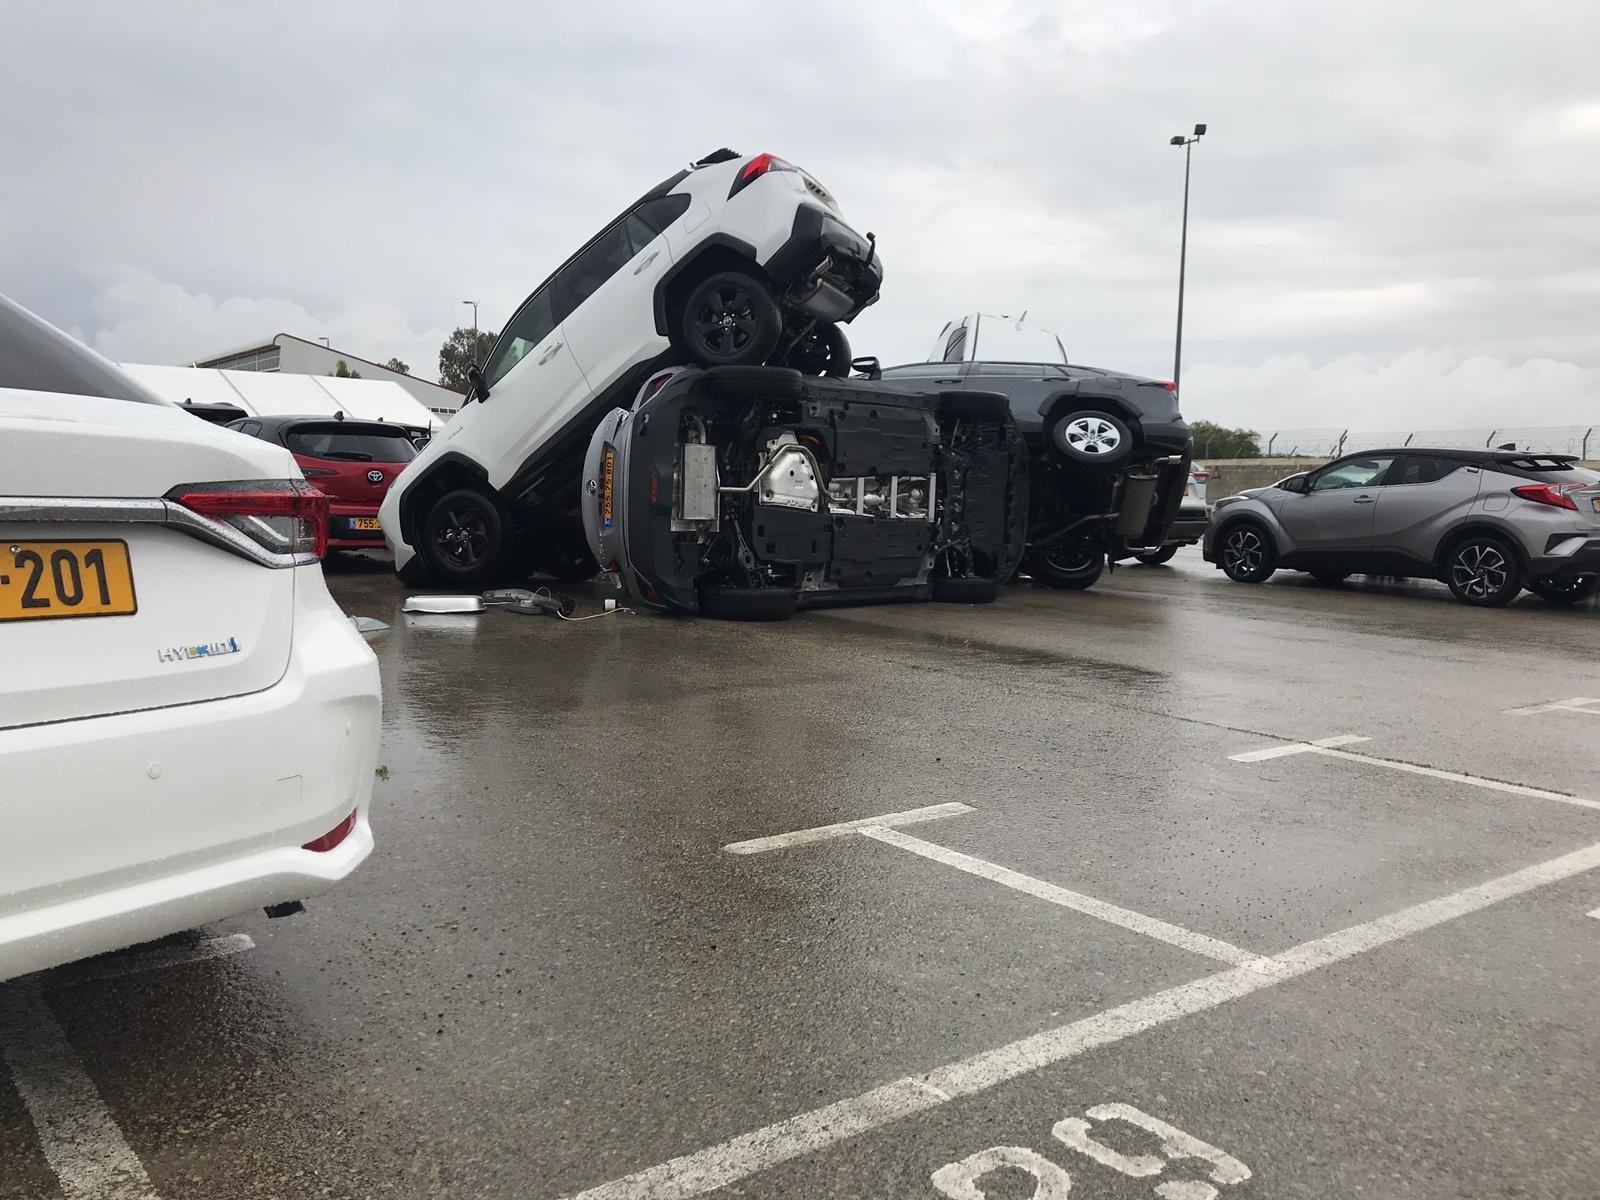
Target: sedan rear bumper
[{"x": 133, "y": 826}]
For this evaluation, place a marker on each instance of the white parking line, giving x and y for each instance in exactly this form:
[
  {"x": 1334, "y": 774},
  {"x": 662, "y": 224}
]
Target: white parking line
[
  {"x": 1161, "y": 931},
  {"x": 1326, "y": 746},
  {"x": 139, "y": 961},
  {"x": 1576, "y": 704},
  {"x": 80, "y": 1141},
  {"x": 1596, "y": 914},
  {"x": 821, "y": 833},
  {"x": 750, "y": 1153},
  {"x": 1327, "y": 743}
]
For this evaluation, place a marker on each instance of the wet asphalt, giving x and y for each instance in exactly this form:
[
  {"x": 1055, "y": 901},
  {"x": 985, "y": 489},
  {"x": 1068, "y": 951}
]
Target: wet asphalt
[{"x": 550, "y": 975}]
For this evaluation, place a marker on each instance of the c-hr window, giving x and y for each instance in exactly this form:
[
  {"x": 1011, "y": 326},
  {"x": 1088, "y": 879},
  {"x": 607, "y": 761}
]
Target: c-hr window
[
  {"x": 1366, "y": 471},
  {"x": 533, "y": 323},
  {"x": 1417, "y": 469}
]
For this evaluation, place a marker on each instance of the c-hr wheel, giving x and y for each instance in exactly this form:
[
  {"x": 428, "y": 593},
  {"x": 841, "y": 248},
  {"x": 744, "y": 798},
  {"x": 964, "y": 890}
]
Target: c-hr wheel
[
  {"x": 1248, "y": 555},
  {"x": 1482, "y": 570},
  {"x": 729, "y": 319},
  {"x": 1570, "y": 589}
]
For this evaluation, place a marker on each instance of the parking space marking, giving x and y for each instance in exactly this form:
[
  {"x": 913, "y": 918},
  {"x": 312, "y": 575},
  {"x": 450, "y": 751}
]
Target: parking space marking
[
  {"x": 80, "y": 1140},
  {"x": 139, "y": 961},
  {"x": 1580, "y": 704},
  {"x": 1327, "y": 743},
  {"x": 1328, "y": 747},
  {"x": 1161, "y": 931},
  {"x": 822, "y": 833},
  {"x": 1596, "y": 914},
  {"x": 751, "y": 1153}
]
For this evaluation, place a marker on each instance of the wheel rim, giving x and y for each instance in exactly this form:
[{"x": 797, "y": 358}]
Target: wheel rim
[
  {"x": 726, "y": 321},
  {"x": 462, "y": 537},
  {"x": 1244, "y": 552},
  {"x": 1479, "y": 571},
  {"x": 1566, "y": 587},
  {"x": 1093, "y": 436},
  {"x": 1076, "y": 558}
]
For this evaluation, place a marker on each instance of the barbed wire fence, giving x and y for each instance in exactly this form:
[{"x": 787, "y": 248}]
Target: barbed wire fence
[{"x": 1584, "y": 441}]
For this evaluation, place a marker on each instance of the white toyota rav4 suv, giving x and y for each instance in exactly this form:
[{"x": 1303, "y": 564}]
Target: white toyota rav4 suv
[
  {"x": 736, "y": 261},
  {"x": 188, "y": 723}
]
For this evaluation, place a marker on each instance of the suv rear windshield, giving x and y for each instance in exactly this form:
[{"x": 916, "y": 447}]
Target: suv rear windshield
[
  {"x": 345, "y": 444},
  {"x": 35, "y": 356}
]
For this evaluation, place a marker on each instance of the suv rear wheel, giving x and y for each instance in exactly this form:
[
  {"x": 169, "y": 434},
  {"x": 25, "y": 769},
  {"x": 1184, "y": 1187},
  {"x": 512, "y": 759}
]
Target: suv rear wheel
[
  {"x": 729, "y": 319},
  {"x": 1093, "y": 438},
  {"x": 1482, "y": 570}
]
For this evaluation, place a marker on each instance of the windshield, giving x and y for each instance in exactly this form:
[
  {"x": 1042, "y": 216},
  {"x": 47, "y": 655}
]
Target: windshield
[{"x": 346, "y": 444}]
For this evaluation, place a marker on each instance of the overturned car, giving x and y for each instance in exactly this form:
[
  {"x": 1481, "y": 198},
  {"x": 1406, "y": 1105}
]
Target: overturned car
[{"x": 749, "y": 492}]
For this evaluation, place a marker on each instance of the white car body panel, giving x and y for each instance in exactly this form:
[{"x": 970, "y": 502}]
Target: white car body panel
[
  {"x": 610, "y": 334},
  {"x": 147, "y": 795}
]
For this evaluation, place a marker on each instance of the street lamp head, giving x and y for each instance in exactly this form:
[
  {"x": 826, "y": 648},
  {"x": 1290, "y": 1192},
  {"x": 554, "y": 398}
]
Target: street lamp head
[
  {"x": 1177, "y": 140},
  {"x": 1199, "y": 130}
]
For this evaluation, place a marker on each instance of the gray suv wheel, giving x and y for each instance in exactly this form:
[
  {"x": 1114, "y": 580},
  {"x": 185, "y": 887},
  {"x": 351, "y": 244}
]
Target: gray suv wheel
[
  {"x": 1483, "y": 571},
  {"x": 1248, "y": 555}
]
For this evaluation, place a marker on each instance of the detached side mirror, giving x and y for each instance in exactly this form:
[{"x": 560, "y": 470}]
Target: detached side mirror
[
  {"x": 1299, "y": 484},
  {"x": 867, "y": 365},
  {"x": 477, "y": 388}
]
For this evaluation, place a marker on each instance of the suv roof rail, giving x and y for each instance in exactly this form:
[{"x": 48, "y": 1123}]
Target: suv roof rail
[{"x": 1528, "y": 456}]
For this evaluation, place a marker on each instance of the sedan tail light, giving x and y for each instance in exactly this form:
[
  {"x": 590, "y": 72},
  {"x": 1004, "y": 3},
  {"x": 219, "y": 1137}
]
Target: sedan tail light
[
  {"x": 1553, "y": 494},
  {"x": 1200, "y": 476},
  {"x": 284, "y": 517},
  {"x": 761, "y": 164}
]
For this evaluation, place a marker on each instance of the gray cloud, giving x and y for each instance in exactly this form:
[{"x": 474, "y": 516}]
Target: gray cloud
[{"x": 1397, "y": 200}]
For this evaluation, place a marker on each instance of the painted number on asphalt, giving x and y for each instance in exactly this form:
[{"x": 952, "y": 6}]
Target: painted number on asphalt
[{"x": 959, "y": 1180}]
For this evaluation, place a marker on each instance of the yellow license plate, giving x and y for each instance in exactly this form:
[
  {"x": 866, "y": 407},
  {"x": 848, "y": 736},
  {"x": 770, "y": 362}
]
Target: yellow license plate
[
  {"x": 608, "y": 471},
  {"x": 1597, "y": 506},
  {"x": 366, "y": 524},
  {"x": 40, "y": 580}
]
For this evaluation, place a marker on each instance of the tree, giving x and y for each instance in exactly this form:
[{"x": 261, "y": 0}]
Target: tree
[
  {"x": 1218, "y": 441},
  {"x": 459, "y": 352},
  {"x": 341, "y": 370},
  {"x": 394, "y": 364}
]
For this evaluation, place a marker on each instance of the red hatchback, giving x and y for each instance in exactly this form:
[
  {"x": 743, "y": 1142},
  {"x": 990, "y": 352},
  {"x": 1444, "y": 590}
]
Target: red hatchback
[{"x": 352, "y": 461}]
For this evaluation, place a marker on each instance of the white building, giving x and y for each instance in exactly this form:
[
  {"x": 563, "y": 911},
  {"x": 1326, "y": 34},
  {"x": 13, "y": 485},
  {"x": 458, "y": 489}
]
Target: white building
[
  {"x": 279, "y": 394},
  {"x": 295, "y": 356}
]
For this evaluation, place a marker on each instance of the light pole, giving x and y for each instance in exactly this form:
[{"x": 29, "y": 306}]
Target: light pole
[
  {"x": 474, "y": 304},
  {"x": 1183, "y": 248}
]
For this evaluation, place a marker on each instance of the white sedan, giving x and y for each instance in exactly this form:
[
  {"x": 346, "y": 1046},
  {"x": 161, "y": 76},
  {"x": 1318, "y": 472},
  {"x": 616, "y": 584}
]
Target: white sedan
[{"x": 188, "y": 722}]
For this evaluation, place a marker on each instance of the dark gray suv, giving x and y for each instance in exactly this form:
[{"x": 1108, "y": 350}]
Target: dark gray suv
[{"x": 1486, "y": 522}]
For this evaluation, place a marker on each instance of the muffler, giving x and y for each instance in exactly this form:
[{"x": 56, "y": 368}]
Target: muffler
[{"x": 1138, "y": 495}]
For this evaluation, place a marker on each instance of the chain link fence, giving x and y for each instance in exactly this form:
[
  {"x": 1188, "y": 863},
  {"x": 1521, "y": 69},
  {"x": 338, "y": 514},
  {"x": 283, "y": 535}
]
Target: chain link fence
[{"x": 1584, "y": 441}]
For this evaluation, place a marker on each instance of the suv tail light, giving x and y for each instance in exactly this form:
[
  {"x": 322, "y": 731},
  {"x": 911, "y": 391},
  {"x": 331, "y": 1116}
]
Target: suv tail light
[
  {"x": 1553, "y": 494},
  {"x": 761, "y": 164},
  {"x": 1199, "y": 475},
  {"x": 287, "y": 518}
]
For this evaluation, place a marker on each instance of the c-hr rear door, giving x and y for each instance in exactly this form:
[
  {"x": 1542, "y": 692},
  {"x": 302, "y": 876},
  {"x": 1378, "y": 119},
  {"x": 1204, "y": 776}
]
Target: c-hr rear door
[{"x": 1422, "y": 498}]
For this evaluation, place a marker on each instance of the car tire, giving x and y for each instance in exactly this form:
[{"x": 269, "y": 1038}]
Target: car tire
[
  {"x": 964, "y": 589},
  {"x": 1157, "y": 557},
  {"x": 1482, "y": 570},
  {"x": 1247, "y": 553},
  {"x": 1069, "y": 565},
  {"x": 824, "y": 351},
  {"x": 729, "y": 319},
  {"x": 463, "y": 538},
  {"x": 1572, "y": 589},
  {"x": 1330, "y": 578},
  {"x": 1092, "y": 438},
  {"x": 976, "y": 406},
  {"x": 725, "y": 603},
  {"x": 747, "y": 383}
]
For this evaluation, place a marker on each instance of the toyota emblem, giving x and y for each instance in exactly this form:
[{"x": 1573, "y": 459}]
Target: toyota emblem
[{"x": 374, "y": 476}]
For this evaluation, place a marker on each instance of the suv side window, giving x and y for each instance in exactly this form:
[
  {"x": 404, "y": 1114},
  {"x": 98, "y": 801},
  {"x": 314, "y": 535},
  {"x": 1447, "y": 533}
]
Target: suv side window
[
  {"x": 646, "y": 222},
  {"x": 956, "y": 344},
  {"x": 1366, "y": 471},
  {"x": 531, "y": 325},
  {"x": 1414, "y": 468},
  {"x": 584, "y": 275}
]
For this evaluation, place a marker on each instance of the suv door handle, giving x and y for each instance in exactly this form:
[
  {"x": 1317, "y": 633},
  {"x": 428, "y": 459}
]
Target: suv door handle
[
  {"x": 648, "y": 259},
  {"x": 549, "y": 354},
  {"x": 1364, "y": 499}
]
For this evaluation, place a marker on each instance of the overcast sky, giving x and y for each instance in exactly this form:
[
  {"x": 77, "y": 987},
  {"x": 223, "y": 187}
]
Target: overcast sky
[{"x": 1393, "y": 223}]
